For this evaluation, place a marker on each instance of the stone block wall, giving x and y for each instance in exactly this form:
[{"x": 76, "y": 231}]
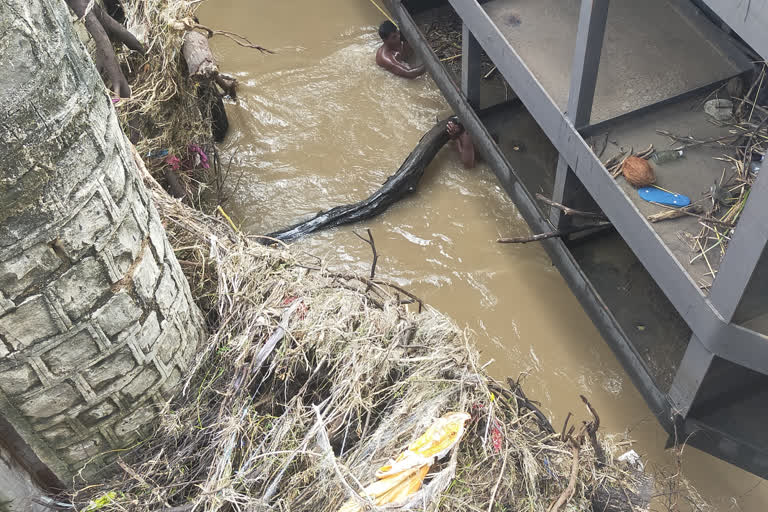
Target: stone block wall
[{"x": 97, "y": 324}]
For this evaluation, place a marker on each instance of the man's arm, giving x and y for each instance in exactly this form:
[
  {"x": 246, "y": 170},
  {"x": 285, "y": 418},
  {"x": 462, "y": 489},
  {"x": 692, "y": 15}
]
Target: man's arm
[
  {"x": 400, "y": 69},
  {"x": 466, "y": 150},
  {"x": 407, "y": 50}
]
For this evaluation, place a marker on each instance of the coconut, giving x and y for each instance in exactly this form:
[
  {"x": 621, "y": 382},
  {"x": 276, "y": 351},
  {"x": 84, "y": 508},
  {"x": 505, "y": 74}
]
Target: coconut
[{"x": 638, "y": 172}]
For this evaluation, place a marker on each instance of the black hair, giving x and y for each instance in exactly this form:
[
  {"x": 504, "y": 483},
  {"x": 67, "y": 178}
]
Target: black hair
[{"x": 386, "y": 29}]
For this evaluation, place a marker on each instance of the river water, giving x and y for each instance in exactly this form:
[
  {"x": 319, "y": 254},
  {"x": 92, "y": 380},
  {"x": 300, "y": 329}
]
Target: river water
[{"x": 318, "y": 124}]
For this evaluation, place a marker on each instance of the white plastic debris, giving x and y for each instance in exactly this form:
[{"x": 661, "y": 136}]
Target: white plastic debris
[
  {"x": 633, "y": 459},
  {"x": 720, "y": 109}
]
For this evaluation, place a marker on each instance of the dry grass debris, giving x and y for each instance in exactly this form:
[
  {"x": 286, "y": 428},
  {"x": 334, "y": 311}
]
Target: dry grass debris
[{"x": 311, "y": 380}]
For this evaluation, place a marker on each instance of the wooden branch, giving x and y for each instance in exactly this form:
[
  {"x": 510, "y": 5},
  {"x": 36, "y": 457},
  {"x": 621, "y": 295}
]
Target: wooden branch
[
  {"x": 237, "y": 38},
  {"x": 690, "y": 142},
  {"x": 403, "y": 291},
  {"x": 571, "y": 489},
  {"x": 592, "y": 428},
  {"x": 674, "y": 213},
  {"x": 370, "y": 242},
  {"x": 378, "y": 282},
  {"x": 528, "y": 239},
  {"x": 551, "y": 234},
  {"x": 523, "y": 402},
  {"x": 565, "y": 426},
  {"x": 567, "y": 210},
  {"x": 684, "y": 211}
]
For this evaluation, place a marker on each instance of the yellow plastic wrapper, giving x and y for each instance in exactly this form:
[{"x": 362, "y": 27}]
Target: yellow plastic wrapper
[{"x": 403, "y": 476}]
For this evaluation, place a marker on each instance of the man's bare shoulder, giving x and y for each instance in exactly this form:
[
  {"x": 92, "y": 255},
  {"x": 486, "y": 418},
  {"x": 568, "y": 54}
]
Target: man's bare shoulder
[{"x": 383, "y": 57}]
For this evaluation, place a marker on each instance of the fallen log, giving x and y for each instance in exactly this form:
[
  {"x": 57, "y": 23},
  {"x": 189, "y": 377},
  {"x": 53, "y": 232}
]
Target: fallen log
[
  {"x": 201, "y": 63},
  {"x": 202, "y": 67},
  {"x": 403, "y": 182}
]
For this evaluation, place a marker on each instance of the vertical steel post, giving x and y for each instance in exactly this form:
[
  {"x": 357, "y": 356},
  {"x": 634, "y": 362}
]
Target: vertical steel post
[
  {"x": 586, "y": 62},
  {"x": 745, "y": 250},
  {"x": 470, "y": 67},
  {"x": 689, "y": 377},
  {"x": 744, "y": 253}
]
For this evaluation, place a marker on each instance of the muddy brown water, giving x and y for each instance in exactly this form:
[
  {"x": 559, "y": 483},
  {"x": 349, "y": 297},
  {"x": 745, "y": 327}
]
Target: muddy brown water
[{"x": 318, "y": 124}]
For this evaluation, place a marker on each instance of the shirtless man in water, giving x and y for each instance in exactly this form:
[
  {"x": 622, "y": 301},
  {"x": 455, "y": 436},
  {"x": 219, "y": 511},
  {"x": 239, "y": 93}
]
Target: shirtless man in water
[{"x": 392, "y": 54}]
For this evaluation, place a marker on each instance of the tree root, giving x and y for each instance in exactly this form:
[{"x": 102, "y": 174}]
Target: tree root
[{"x": 104, "y": 30}]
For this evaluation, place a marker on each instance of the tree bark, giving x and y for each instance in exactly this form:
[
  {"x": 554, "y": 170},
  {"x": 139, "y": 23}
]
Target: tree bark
[
  {"x": 97, "y": 323},
  {"x": 201, "y": 66},
  {"x": 398, "y": 185},
  {"x": 201, "y": 63}
]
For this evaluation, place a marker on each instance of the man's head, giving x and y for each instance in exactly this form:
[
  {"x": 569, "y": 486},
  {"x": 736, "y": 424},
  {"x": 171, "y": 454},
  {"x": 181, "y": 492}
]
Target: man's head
[{"x": 389, "y": 34}]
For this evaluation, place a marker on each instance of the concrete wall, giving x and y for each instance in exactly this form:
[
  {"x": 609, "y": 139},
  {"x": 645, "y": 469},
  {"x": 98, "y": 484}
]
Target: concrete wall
[{"x": 97, "y": 324}]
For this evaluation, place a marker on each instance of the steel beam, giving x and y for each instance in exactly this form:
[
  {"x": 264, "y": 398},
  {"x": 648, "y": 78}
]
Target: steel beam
[
  {"x": 556, "y": 249},
  {"x": 470, "y": 67},
  {"x": 570, "y": 191},
  {"x": 690, "y": 374},
  {"x": 736, "y": 451},
  {"x": 741, "y": 452},
  {"x": 744, "y": 251},
  {"x": 564, "y": 181},
  {"x": 586, "y": 63},
  {"x": 696, "y": 310},
  {"x": 586, "y": 60},
  {"x": 748, "y": 19}
]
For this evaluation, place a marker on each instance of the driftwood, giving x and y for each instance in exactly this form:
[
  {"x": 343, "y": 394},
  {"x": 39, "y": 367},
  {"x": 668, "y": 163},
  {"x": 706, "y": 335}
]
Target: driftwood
[
  {"x": 551, "y": 234},
  {"x": 568, "y": 211},
  {"x": 689, "y": 211},
  {"x": 202, "y": 67},
  {"x": 197, "y": 53},
  {"x": 606, "y": 497},
  {"x": 398, "y": 185},
  {"x": 523, "y": 402},
  {"x": 675, "y": 214}
]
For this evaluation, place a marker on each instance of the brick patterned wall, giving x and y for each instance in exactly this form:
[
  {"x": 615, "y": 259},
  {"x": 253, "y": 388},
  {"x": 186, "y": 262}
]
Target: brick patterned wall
[{"x": 97, "y": 324}]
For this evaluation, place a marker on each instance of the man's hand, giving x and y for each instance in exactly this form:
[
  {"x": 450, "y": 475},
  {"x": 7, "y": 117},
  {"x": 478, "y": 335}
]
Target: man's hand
[{"x": 453, "y": 130}]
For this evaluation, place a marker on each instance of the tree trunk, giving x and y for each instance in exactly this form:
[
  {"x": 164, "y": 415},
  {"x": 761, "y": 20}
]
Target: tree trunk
[
  {"x": 97, "y": 324},
  {"x": 202, "y": 67},
  {"x": 401, "y": 183}
]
